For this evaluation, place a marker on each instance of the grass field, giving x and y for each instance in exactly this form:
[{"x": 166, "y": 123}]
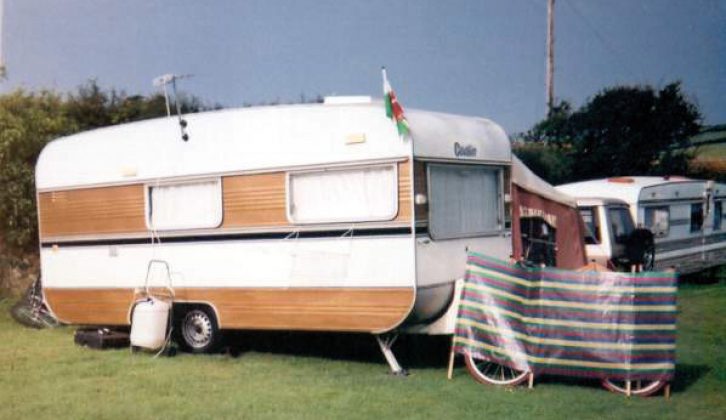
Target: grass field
[{"x": 44, "y": 375}]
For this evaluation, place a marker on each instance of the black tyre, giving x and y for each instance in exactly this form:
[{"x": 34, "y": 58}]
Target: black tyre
[{"x": 197, "y": 330}]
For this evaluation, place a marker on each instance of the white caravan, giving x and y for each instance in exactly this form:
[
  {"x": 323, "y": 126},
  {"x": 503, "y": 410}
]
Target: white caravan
[
  {"x": 303, "y": 217},
  {"x": 685, "y": 216}
]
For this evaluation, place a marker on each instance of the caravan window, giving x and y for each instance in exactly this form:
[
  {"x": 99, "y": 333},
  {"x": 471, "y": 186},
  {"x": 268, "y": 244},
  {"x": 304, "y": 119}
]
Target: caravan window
[
  {"x": 464, "y": 200},
  {"x": 717, "y": 215},
  {"x": 592, "y": 227},
  {"x": 621, "y": 224},
  {"x": 696, "y": 217},
  {"x": 657, "y": 220},
  {"x": 186, "y": 205},
  {"x": 343, "y": 195}
]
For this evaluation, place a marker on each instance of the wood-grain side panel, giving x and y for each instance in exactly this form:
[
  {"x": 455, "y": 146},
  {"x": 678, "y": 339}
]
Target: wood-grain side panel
[
  {"x": 249, "y": 201},
  {"x": 308, "y": 309},
  {"x": 260, "y": 200},
  {"x": 92, "y": 211},
  {"x": 315, "y": 309},
  {"x": 90, "y": 306},
  {"x": 254, "y": 200},
  {"x": 404, "y": 192}
]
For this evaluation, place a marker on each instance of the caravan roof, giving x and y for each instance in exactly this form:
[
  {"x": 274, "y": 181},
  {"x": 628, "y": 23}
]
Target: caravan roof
[
  {"x": 262, "y": 139},
  {"x": 630, "y": 189}
]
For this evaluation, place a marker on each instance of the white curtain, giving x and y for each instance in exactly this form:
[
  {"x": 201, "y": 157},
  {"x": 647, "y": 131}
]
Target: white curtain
[
  {"x": 464, "y": 201},
  {"x": 350, "y": 195},
  {"x": 657, "y": 220},
  {"x": 186, "y": 206}
]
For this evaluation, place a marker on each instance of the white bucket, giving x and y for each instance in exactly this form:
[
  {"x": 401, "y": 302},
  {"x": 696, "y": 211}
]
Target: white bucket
[{"x": 149, "y": 322}]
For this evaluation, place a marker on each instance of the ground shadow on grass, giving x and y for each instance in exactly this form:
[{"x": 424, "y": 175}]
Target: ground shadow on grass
[
  {"x": 412, "y": 351},
  {"x": 687, "y": 375},
  {"x": 713, "y": 275},
  {"x": 568, "y": 381}
]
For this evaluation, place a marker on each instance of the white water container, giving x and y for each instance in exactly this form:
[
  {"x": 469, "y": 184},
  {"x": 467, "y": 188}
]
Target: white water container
[{"x": 149, "y": 322}]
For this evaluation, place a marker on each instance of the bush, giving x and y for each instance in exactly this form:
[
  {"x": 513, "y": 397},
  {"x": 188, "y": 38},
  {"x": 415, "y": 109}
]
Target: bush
[{"x": 27, "y": 122}]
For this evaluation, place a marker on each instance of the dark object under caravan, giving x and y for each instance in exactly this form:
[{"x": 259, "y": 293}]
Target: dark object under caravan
[{"x": 101, "y": 338}]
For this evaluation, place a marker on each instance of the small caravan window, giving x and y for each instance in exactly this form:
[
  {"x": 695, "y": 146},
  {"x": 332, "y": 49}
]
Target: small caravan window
[
  {"x": 717, "y": 215},
  {"x": 696, "y": 217},
  {"x": 592, "y": 227},
  {"x": 539, "y": 241},
  {"x": 657, "y": 220},
  {"x": 465, "y": 200},
  {"x": 185, "y": 205},
  {"x": 343, "y": 195},
  {"x": 621, "y": 224}
]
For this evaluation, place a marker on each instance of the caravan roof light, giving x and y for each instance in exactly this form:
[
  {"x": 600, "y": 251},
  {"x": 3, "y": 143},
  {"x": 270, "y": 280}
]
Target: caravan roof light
[{"x": 347, "y": 100}]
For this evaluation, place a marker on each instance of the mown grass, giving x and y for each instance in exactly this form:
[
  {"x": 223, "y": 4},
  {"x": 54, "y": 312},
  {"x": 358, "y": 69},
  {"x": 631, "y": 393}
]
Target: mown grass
[{"x": 44, "y": 375}]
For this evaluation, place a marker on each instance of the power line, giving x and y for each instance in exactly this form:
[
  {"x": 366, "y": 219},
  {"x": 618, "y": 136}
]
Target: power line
[{"x": 601, "y": 38}]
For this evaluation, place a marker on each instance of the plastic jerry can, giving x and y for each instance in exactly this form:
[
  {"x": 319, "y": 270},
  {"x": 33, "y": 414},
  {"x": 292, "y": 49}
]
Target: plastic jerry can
[{"x": 149, "y": 323}]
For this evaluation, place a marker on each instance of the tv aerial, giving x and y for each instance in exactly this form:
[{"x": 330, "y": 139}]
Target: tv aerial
[{"x": 170, "y": 79}]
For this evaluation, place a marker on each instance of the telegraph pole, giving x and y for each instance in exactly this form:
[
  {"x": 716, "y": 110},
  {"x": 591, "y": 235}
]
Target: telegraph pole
[
  {"x": 550, "y": 65},
  {"x": 2, "y": 61}
]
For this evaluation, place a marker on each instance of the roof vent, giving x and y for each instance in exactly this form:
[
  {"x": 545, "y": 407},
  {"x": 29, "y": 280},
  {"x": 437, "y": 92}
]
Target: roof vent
[
  {"x": 347, "y": 100},
  {"x": 621, "y": 180}
]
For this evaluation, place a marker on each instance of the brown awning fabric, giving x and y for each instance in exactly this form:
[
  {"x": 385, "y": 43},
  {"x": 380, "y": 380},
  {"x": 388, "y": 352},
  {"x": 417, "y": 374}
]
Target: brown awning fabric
[
  {"x": 570, "y": 245},
  {"x": 536, "y": 203}
]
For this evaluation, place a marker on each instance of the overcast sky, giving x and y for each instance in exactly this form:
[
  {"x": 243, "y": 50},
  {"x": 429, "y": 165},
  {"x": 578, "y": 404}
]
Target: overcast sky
[{"x": 475, "y": 57}]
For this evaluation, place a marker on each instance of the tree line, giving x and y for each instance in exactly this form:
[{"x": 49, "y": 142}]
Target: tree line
[
  {"x": 29, "y": 120},
  {"x": 623, "y": 130}
]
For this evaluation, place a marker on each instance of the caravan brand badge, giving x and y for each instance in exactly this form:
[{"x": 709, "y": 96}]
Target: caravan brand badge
[{"x": 464, "y": 150}]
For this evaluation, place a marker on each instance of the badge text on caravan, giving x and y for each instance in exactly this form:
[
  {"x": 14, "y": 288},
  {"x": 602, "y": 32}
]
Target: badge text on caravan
[{"x": 464, "y": 150}]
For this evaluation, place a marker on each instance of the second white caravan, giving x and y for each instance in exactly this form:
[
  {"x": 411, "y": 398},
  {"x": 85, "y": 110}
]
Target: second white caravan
[{"x": 685, "y": 216}]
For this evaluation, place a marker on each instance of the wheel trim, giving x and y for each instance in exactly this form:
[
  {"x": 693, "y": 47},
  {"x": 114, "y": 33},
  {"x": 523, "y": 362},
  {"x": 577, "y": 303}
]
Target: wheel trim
[{"x": 197, "y": 329}]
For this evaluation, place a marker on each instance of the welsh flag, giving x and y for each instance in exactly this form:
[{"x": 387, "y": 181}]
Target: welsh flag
[{"x": 394, "y": 110}]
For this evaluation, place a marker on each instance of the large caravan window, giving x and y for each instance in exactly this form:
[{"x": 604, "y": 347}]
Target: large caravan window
[
  {"x": 717, "y": 215},
  {"x": 343, "y": 195},
  {"x": 592, "y": 227},
  {"x": 696, "y": 217},
  {"x": 657, "y": 220},
  {"x": 464, "y": 200},
  {"x": 187, "y": 205}
]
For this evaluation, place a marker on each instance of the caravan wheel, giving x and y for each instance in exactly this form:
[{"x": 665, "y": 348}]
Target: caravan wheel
[{"x": 198, "y": 330}]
